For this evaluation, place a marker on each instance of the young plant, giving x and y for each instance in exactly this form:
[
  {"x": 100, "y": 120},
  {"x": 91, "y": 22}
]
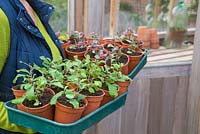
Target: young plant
[
  {"x": 128, "y": 37},
  {"x": 52, "y": 70},
  {"x": 109, "y": 80},
  {"x": 116, "y": 58},
  {"x": 112, "y": 48},
  {"x": 78, "y": 46},
  {"x": 90, "y": 76},
  {"x": 76, "y": 37},
  {"x": 33, "y": 85},
  {"x": 72, "y": 97}
]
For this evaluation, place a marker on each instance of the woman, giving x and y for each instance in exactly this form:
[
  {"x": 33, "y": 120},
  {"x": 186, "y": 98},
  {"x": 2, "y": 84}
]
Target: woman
[{"x": 25, "y": 35}]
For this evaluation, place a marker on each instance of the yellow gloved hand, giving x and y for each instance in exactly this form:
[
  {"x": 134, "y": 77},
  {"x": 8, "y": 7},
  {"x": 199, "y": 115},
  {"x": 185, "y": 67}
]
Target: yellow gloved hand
[{"x": 6, "y": 125}]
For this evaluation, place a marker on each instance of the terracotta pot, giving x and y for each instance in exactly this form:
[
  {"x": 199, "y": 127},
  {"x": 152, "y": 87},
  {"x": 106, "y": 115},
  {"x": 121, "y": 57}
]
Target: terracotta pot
[
  {"x": 146, "y": 44},
  {"x": 123, "y": 87},
  {"x": 107, "y": 98},
  {"x": 46, "y": 111},
  {"x": 94, "y": 103},
  {"x": 133, "y": 60},
  {"x": 155, "y": 46},
  {"x": 18, "y": 93},
  {"x": 177, "y": 36},
  {"x": 106, "y": 41},
  {"x": 143, "y": 33},
  {"x": 153, "y": 33},
  {"x": 125, "y": 67},
  {"x": 70, "y": 55},
  {"x": 65, "y": 114},
  {"x": 63, "y": 48},
  {"x": 154, "y": 40}
]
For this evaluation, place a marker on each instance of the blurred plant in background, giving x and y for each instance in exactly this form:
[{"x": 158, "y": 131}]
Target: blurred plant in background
[
  {"x": 59, "y": 20},
  {"x": 157, "y": 14},
  {"x": 129, "y": 18}
]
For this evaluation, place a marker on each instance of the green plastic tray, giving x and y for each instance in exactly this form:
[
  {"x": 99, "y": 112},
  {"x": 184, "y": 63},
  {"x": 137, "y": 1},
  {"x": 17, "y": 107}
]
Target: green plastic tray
[{"x": 46, "y": 126}]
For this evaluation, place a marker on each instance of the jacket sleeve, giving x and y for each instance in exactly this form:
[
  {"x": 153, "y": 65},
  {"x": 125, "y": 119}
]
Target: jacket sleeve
[{"x": 4, "y": 50}]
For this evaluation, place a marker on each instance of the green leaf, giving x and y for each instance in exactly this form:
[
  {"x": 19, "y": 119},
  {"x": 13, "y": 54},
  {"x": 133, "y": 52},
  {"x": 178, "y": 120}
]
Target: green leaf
[
  {"x": 37, "y": 103},
  {"x": 97, "y": 57},
  {"x": 23, "y": 70},
  {"x": 75, "y": 103},
  {"x": 98, "y": 83},
  {"x": 18, "y": 76},
  {"x": 18, "y": 100},
  {"x": 55, "y": 97},
  {"x": 83, "y": 74},
  {"x": 91, "y": 90},
  {"x": 26, "y": 86},
  {"x": 30, "y": 95},
  {"x": 70, "y": 94},
  {"x": 57, "y": 84},
  {"x": 113, "y": 90},
  {"x": 80, "y": 97}
]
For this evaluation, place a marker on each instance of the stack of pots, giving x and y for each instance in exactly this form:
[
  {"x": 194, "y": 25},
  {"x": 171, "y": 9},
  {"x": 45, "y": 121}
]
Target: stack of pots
[
  {"x": 154, "y": 39},
  {"x": 144, "y": 35}
]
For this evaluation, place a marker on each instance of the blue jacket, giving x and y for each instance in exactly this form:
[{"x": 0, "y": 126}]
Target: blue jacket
[{"x": 27, "y": 43}]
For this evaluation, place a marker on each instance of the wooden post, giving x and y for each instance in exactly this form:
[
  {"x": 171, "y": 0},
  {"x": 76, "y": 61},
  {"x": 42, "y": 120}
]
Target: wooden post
[
  {"x": 71, "y": 15},
  {"x": 79, "y": 15},
  {"x": 114, "y": 16},
  {"x": 193, "y": 105},
  {"x": 94, "y": 16},
  {"x": 75, "y": 15}
]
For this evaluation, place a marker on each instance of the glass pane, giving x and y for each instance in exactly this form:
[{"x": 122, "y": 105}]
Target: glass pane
[{"x": 59, "y": 19}]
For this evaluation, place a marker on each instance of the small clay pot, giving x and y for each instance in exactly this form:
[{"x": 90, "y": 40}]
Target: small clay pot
[
  {"x": 70, "y": 55},
  {"x": 154, "y": 40},
  {"x": 64, "y": 47},
  {"x": 107, "y": 98},
  {"x": 65, "y": 114},
  {"x": 123, "y": 86},
  {"x": 143, "y": 33},
  {"x": 18, "y": 93},
  {"x": 155, "y": 46},
  {"x": 94, "y": 103},
  {"x": 133, "y": 60},
  {"x": 146, "y": 44},
  {"x": 46, "y": 111},
  {"x": 153, "y": 33}
]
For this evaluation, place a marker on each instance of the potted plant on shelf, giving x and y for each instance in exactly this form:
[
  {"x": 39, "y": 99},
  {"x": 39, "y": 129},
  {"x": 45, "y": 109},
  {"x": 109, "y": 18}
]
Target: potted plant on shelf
[
  {"x": 178, "y": 22},
  {"x": 20, "y": 89},
  {"x": 52, "y": 70},
  {"x": 111, "y": 47},
  {"x": 109, "y": 83},
  {"x": 90, "y": 84},
  {"x": 134, "y": 53},
  {"x": 128, "y": 38},
  {"x": 69, "y": 105},
  {"x": 119, "y": 58},
  {"x": 37, "y": 97},
  {"x": 123, "y": 81},
  {"x": 77, "y": 46}
]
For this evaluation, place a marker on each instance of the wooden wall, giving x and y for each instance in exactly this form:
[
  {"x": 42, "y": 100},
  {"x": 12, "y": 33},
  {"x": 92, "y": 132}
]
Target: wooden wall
[{"x": 156, "y": 103}]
